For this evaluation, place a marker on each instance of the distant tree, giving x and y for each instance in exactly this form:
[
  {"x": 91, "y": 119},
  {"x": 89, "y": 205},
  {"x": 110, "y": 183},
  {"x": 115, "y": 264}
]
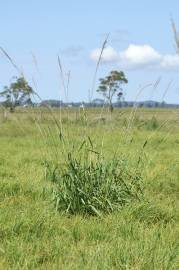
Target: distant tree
[
  {"x": 18, "y": 93},
  {"x": 111, "y": 86},
  {"x": 97, "y": 102},
  {"x": 52, "y": 103}
]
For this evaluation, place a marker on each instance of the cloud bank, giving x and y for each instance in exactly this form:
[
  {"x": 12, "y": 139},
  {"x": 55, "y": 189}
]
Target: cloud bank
[{"x": 137, "y": 57}]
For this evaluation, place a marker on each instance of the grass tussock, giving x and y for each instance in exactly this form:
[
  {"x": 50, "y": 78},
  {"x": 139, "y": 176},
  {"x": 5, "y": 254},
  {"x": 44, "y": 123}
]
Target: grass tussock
[
  {"x": 93, "y": 186},
  {"x": 152, "y": 124}
]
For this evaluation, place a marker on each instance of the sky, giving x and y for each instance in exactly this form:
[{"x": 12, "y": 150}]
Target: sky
[{"x": 141, "y": 43}]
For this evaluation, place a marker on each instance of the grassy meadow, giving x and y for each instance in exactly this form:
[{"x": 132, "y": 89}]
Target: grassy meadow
[{"x": 142, "y": 234}]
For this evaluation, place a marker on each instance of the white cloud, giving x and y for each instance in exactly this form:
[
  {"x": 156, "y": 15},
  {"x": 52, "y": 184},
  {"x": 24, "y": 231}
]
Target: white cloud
[
  {"x": 139, "y": 55},
  {"x": 109, "y": 55},
  {"x": 136, "y": 57},
  {"x": 170, "y": 61}
]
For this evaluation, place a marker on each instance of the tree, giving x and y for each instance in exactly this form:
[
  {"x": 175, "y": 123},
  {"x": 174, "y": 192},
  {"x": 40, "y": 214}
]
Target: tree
[
  {"x": 111, "y": 86},
  {"x": 18, "y": 93}
]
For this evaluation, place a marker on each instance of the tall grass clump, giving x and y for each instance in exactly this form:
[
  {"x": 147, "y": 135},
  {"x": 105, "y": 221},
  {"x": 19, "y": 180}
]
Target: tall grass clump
[
  {"x": 152, "y": 123},
  {"x": 90, "y": 185}
]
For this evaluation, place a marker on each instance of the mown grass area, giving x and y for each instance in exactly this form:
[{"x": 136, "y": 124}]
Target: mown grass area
[{"x": 144, "y": 234}]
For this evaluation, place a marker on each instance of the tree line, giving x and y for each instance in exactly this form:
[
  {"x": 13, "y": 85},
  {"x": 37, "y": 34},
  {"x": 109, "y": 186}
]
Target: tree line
[{"x": 20, "y": 93}]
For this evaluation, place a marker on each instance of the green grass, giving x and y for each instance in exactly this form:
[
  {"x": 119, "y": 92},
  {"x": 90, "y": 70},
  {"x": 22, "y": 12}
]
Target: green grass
[
  {"x": 93, "y": 187},
  {"x": 142, "y": 235}
]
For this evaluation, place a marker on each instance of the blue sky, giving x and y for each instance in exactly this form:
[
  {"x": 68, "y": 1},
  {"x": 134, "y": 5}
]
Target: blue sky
[{"x": 141, "y": 44}]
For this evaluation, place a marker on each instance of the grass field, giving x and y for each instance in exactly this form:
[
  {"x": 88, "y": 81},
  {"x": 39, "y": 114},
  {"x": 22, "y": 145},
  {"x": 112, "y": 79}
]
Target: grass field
[{"x": 144, "y": 234}]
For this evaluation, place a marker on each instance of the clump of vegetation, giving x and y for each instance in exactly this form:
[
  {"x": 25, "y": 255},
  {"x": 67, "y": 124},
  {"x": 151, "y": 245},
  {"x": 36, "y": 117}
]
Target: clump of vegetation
[
  {"x": 91, "y": 185},
  {"x": 152, "y": 123},
  {"x": 151, "y": 214}
]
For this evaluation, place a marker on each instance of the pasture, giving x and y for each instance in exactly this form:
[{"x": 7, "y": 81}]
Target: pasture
[{"x": 142, "y": 234}]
